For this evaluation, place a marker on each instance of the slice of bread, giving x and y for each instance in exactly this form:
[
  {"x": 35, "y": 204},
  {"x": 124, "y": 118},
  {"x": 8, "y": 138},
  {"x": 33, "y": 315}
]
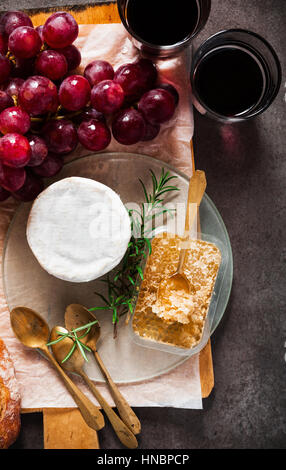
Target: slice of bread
[{"x": 10, "y": 402}]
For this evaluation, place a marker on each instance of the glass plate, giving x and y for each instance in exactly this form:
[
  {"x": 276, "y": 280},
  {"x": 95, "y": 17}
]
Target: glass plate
[{"x": 26, "y": 283}]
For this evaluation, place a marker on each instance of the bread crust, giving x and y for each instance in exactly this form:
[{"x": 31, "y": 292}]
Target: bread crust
[{"x": 10, "y": 403}]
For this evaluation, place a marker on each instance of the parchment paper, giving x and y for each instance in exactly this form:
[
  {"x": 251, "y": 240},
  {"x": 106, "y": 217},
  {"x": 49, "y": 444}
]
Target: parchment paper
[{"x": 39, "y": 383}]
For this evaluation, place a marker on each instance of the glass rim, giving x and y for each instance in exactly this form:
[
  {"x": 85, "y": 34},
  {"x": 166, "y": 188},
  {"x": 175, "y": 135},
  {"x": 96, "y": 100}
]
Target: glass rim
[
  {"x": 255, "y": 112},
  {"x": 159, "y": 47}
]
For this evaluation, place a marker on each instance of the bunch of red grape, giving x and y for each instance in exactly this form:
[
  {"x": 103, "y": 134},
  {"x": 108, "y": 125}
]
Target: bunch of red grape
[{"x": 45, "y": 110}]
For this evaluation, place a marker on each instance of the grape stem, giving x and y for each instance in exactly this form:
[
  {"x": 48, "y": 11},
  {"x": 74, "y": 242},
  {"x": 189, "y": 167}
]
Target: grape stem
[
  {"x": 11, "y": 57},
  {"x": 56, "y": 117}
]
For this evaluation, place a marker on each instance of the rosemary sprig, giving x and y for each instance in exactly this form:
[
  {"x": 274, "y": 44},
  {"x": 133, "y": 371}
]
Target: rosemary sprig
[
  {"x": 76, "y": 339},
  {"x": 123, "y": 286}
]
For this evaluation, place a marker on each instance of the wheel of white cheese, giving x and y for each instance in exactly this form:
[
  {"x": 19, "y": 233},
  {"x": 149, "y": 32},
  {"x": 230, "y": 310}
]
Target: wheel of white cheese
[{"x": 78, "y": 229}]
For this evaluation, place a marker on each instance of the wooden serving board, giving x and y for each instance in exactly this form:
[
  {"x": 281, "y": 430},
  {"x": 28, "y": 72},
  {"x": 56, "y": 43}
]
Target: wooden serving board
[{"x": 65, "y": 428}]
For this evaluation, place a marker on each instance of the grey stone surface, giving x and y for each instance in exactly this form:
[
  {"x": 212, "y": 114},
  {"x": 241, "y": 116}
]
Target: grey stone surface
[{"x": 246, "y": 170}]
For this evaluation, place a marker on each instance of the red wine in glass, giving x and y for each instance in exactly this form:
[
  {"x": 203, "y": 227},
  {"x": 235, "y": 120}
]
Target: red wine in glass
[
  {"x": 235, "y": 75},
  {"x": 230, "y": 80},
  {"x": 163, "y": 22},
  {"x": 162, "y": 28}
]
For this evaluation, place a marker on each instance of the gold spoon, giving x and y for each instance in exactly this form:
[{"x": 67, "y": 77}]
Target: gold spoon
[
  {"x": 76, "y": 315},
  {"x": 34, "y": 332},
  {"x": 74, "y": 364},
  {"x": 178, "y": 280}
]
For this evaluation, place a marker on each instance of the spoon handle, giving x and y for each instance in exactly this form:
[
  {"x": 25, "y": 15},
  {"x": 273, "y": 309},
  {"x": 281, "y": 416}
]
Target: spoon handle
[
  {"x": 124, "y": 409},
  {"x": 124, "y": 434},
  {"x": 197, "y": 187},
  {"x": 91, "y": 414}
]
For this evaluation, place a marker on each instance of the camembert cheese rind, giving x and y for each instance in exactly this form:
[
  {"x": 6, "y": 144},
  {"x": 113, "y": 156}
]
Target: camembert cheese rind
[{"x": 78, "y": 229}]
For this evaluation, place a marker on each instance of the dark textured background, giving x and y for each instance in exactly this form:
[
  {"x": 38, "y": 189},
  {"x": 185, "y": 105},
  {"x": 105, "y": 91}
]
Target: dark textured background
[{"x": 246, "y": 171}]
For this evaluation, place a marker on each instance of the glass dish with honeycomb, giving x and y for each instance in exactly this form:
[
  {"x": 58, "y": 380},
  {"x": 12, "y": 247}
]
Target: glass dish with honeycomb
[{"x": 181, "y": 324}]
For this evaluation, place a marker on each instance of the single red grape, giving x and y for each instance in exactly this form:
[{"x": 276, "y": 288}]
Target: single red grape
[
  {"x": 94, "y": 135},
  {"x": 151, "y": 131},
  {"x": 25, "y": 42},
  {"x": 97, "y": 71},
  {"x": 5, "y": 69},
  {"x": 107, "y": 96},
  {"x": 148, "y": 73},
  {"x": 3, "y": 44},
  {"x": 32, "y": 187},
  {"x": 12, "y": 179},
  {"x": 51, "y": 166},
  {"x": 72, "y": 55},
  {"x": 60, "y": 136},
  {"x": 39, "y": 30},
  {"x": 131, "y": 79},
  {"x": 39, "y": 150},
  {"x": 5, "y": 100},
  {"x": 74, "y": 92},
  {"x": 51, "y": 64},
  {"x": 4, "y": 194},
  {"x": 128, "y": 127},
  {"x": 15, "y": 150},
  {"x": 157, "y": 106},
  {"x": 14, "y": 86},
  {"x": 38, "y": 95},
  {"x": 60, "y": 30},
  {"x": 171, "y": 89},
  {"x": 14, "y": 119},
  {"x": 12, "y": 20}
]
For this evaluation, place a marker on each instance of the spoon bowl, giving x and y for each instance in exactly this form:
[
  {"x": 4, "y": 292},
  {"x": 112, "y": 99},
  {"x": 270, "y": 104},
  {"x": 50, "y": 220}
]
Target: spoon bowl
[
  {"x": 62, "y": 348},
  {"x": 77, "y": 315},
  {"x": 29, "y": 327},
  {"x": 176, "y": 282}
]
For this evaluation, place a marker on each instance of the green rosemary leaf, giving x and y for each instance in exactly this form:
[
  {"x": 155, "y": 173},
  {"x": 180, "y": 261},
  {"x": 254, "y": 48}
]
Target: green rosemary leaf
[
  {"x": 86, "y": 333},
  {"x": 79, "y": 345},
  {"x": 83, "y": 327},
  {"x": 94, "y": 309},
  {"x": 144, "y": 190},
  {"x": 139, "y": 269},
  {"x": 70, "y": 353},
  {"x": 115, "y": 316},
  {"x": 148, "y": 243},
  {"x": 154, "y": 181},
  {"x": 166, "y": 190},
  {"x": 170, "y": 178},
  {"x": 84, "y": 346},
  {"x": 131, "y": 280},
  {"x": 63, "y": 336},
  {"x": 110, "y": 291},
  {"x": 130, "y": 306}
]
